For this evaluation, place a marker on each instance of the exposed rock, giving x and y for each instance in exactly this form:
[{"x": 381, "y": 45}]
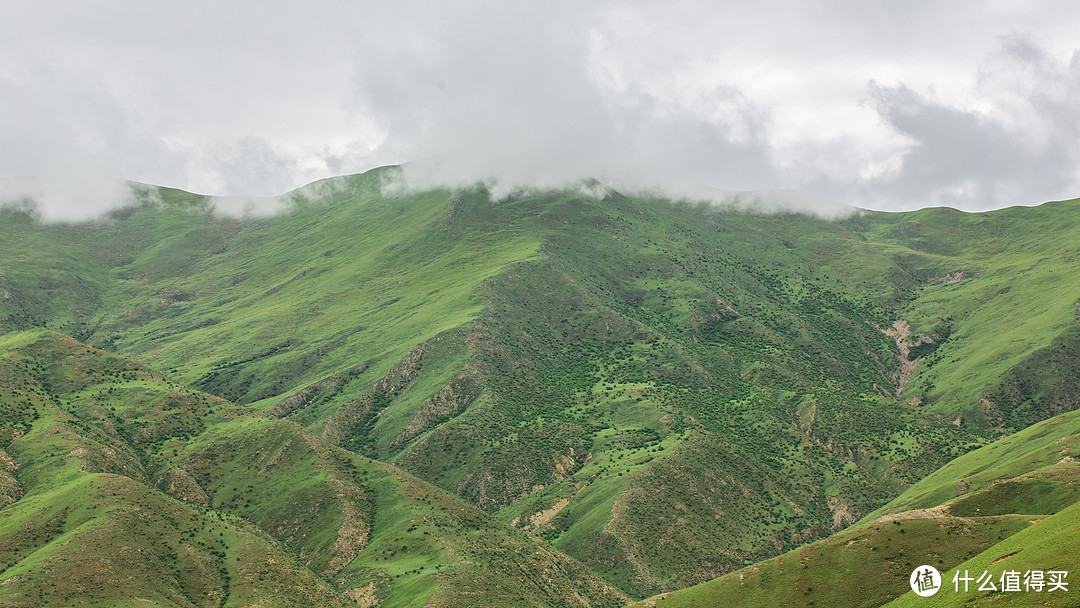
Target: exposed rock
[
  {"x": 452, "y": 209},
  {"x": 288, "y": 404},
  {"x": 355, "y": 531},
  {"x": 538, "y": 519},
  {"x": 179, "y": 484},
  {"x": 841, "y": 515},
  {"x": 10, "y": 488},
  {"x": 364, "y": 596},
  {"x": 899, "y": 332},
  {"x": 455, "y": 396},
  {"x": 396, "y": 380},
  {"x": 616, "y": 526},
  {"x": 7, "y": 463},
  {"x": 952, "y": 277}
]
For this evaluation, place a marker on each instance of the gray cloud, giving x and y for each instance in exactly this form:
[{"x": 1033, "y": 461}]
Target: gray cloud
[
  {"x": 256, "y": 99},
  {"x": 1018, "y": 144}
]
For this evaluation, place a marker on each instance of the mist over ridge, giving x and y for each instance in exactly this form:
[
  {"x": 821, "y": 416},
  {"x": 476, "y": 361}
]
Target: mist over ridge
[{"x": 969, "y": 106}]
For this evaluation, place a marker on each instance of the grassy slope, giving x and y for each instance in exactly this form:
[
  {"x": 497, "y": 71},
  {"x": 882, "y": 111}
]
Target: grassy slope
[
  {"x": 107, "y": 452},
  {"x": 640, "y": 381},
  {"x": 1050, "y": 544},
  {"x": 86, "y": 517},
  {"x": 1015, "y": 297},
  {"x": 1043, "y": 449},
  {"x": 1010, "y": 505},
  {"x": 1035, "y": 471},
  {"x": 1017, "y": 511},
  {"x": 557, "y": 357}
]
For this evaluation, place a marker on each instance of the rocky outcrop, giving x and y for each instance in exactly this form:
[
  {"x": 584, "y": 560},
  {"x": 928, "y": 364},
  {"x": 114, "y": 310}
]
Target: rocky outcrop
[
  {"x": 462, "y": 390},
  {"x": 352, "y": 417},
  {"x": 179, "y": 484},
  {"x": 10, "y": 488}
]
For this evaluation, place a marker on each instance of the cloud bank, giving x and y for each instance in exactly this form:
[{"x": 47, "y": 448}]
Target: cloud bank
[{"x": 883, "y": 105}]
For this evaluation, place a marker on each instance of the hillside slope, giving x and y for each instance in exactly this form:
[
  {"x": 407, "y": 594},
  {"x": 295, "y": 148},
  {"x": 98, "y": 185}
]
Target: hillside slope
[
  {"x": 664, "y": 391},
  {"x": 1013, "y": 505},
  {"x": 122, "y": 488}
]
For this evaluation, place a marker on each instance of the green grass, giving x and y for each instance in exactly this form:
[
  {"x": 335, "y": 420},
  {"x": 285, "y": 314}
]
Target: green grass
[
  {"x": 123, "y": 475},
  {"x": 561, "y": 347},
  {"x": 1050, "y": 544},
  {"x": 1043, "y": 449},
  {"x": 866, "y": 566},
  {"x": 1010, "y": 505}
]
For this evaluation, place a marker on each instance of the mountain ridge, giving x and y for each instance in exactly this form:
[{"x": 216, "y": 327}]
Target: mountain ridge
[{"x": 559, "y": 360}]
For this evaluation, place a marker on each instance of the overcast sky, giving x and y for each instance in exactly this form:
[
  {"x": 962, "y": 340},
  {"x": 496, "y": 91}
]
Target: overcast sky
[{"x": 876, "y": 104}]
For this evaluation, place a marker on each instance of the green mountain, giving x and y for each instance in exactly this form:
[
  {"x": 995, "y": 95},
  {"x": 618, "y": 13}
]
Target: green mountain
[
  {"x": 120, "y": 488},
  {"x": 663, "y": 391},
  {"x": 1013, "y": 505}
]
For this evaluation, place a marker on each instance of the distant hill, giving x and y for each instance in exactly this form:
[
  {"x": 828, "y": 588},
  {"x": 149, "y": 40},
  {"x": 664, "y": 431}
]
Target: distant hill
[{"x": 664, "y": 391}]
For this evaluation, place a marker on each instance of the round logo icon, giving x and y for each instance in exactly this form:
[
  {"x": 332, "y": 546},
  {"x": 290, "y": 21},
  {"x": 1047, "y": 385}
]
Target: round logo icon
[{"x": 925, "y": 581}]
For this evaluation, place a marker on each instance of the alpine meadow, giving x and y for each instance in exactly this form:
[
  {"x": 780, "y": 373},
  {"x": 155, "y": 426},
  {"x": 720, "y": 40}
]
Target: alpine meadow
[{"x": 388, "y": 397}]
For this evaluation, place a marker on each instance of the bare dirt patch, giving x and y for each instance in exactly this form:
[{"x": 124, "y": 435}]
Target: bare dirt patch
[
  {"x": 900, "y": 332},
  {"x": 364, "y": 596}
]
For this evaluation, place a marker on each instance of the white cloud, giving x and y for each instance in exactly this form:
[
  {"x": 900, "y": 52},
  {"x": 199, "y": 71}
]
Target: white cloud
[
  {"x": 1015, "y": 141},
  {"x": 255, "y": 99}
]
